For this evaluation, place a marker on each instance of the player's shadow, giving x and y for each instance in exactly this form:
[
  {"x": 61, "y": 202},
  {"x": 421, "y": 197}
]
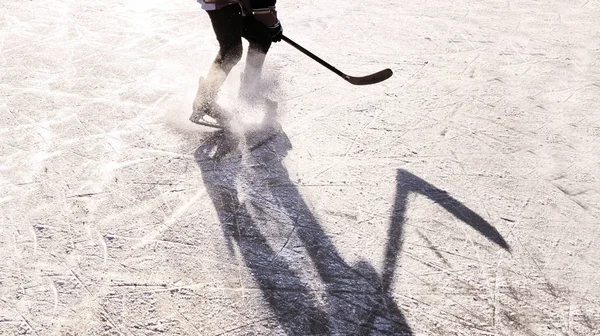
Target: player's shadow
[{"x": 262, "y": 211}]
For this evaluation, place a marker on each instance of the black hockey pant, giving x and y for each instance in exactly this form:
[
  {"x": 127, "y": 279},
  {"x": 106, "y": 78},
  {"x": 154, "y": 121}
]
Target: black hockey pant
[{"x": 230, "y": 26}]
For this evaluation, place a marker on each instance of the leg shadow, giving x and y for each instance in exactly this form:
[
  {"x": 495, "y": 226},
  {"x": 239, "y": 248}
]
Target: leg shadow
[{"x": 290, "y": 299}]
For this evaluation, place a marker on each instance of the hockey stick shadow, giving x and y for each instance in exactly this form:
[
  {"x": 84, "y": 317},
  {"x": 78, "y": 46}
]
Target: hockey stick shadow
[{"x": 407, "y": 183}]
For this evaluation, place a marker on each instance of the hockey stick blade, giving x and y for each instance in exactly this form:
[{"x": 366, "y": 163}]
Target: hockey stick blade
[{"x": 370, "y": 79}]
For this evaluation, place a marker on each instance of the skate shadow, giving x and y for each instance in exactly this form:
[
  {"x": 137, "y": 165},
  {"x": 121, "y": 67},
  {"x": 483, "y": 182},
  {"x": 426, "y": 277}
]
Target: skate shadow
[{"x": 263, "y": 213}]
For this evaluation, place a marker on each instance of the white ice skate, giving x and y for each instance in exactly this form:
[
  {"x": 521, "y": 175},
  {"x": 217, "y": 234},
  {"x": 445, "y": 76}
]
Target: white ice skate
[{"x": 205, "y": 110}]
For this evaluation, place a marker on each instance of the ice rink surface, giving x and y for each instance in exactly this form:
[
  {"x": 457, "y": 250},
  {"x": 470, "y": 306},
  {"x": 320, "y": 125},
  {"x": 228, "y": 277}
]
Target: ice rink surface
[{"x": 459, "y": 197}]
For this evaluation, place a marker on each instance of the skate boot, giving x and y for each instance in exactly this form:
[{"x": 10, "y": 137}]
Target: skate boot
[{"x": 205, "y": 110}]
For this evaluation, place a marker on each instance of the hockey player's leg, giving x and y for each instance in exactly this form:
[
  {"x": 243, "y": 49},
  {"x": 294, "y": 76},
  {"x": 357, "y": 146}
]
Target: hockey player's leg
[
  {"x": 227, "y": 25},
  {"x": 250, "y": 78},
  {"x": 259, "y": 40}
]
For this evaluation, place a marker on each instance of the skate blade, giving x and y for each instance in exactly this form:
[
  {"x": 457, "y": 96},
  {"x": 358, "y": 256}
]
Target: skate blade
[
  {"x": 205, "y": 121},
  {"x": 209, "y": 124}
]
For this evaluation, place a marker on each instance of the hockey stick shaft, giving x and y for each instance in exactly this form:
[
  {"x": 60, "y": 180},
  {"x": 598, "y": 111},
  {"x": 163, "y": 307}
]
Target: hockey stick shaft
[
  {"x": 315, "y": 57},
  {"x": 371, "y": 79}
]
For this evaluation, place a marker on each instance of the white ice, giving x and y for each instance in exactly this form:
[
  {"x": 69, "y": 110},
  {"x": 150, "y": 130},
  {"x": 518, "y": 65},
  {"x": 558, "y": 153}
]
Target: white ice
[{"x": 118, "y": 220}]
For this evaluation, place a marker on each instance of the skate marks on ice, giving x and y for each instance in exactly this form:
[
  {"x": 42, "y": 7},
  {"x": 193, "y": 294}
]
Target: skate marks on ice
[{"x": 260, "y": 207}]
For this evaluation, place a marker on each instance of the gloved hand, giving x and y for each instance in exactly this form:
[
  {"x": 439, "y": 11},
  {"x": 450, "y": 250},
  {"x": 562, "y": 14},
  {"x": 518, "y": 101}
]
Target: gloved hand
[{"x": 276, "y": 32}]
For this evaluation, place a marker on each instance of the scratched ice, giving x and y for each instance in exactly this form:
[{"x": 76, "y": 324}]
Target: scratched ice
[{"x": 461, "y": 196}]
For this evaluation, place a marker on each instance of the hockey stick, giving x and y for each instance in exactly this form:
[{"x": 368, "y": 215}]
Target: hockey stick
[{"x": 365, "y": 80}]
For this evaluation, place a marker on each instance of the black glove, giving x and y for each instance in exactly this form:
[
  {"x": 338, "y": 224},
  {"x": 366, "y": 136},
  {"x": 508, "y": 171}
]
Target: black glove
[{"x": 276, "y": 32}]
